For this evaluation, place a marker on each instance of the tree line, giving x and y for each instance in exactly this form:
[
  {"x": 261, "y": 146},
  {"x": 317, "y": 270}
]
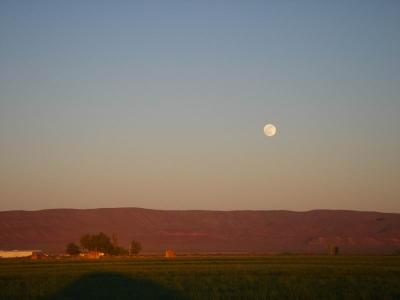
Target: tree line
[{"x": 102, "y": 243}]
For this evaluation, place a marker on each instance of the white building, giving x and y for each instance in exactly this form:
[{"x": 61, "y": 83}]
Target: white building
[{"x": 18, "y": 253}]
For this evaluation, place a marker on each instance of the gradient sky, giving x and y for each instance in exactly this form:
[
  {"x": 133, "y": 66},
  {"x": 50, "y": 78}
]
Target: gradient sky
[{"x": 161, "y": 104}]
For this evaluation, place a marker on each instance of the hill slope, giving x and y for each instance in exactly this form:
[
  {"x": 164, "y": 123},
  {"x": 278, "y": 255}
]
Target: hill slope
[{"x": 206, "y": 231}]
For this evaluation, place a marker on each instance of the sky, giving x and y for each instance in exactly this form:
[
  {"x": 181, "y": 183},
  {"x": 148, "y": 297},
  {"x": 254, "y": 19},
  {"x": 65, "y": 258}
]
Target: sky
[{"x": 162, "y": 104}]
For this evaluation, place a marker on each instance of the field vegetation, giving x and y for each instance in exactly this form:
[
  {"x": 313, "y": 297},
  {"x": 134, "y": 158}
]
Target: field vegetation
[{"x": 233, "y": 277}]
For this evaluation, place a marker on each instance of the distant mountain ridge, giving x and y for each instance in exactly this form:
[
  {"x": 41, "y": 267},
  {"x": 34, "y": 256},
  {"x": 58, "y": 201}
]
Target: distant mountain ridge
[{"x": 191, "y": 231}]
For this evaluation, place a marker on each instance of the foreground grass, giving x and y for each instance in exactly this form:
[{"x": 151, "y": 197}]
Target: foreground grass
[{"x": 270, "y": 277}]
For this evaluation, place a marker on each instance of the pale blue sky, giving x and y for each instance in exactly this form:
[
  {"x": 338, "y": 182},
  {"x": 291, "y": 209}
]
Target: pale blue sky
[{"x": 161, "y": 104}]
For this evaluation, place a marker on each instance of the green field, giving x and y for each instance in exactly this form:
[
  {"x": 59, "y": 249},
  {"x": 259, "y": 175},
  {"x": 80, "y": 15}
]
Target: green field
[{"x": 268, "y": 277}]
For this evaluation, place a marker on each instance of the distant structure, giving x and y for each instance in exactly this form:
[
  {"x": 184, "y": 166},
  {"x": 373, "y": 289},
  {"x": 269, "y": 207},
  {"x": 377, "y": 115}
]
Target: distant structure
[
  {"x": 169, "y": 253},
  {"x": 38, "y": 255},
  {"x": 21, "y": 253},
  {"x": 334, "y": 250},
  {"x": 92, "y": 254}
]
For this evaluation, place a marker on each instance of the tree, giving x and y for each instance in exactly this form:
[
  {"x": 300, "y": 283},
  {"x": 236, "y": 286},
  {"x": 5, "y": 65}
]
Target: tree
[
  {"x": 73, "y": 249},
  {"x": 114, "y": 240},
  {"x": 135, "y": 248},
  {"x": 87, "y": 242},
  {"x": 97, "y": 242},
  {"x": 102, "y": 243}
]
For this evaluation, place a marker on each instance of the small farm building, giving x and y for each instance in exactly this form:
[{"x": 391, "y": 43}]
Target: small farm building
[{"x": 169, "y": 253}]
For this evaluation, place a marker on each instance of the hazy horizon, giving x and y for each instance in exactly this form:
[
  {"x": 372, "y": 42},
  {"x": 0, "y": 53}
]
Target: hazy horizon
[
  {"x": 162, "y": 105},
  {"x": 213, "y": 210}
]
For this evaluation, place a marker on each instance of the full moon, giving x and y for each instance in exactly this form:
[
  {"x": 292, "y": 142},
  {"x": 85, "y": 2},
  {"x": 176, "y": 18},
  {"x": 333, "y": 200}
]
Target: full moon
[{"x": 269, "y": 130}]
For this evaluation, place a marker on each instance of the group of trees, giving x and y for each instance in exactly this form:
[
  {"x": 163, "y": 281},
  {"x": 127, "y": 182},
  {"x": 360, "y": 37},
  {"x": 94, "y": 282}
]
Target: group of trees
[{"x": 102, "y": 243}]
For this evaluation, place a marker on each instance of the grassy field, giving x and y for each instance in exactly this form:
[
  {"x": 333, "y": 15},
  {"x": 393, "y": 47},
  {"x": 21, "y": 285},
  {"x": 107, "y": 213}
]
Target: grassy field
[{"x": 268, "y": 277}]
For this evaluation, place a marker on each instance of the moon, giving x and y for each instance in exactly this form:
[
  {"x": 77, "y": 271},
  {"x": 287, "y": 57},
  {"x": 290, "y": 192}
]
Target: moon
[{"x": 270, "y": 130}]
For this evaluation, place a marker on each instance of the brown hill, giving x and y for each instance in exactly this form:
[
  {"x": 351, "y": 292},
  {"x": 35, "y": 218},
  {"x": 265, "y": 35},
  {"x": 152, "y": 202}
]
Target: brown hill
[{"x": 206, "y": 231}]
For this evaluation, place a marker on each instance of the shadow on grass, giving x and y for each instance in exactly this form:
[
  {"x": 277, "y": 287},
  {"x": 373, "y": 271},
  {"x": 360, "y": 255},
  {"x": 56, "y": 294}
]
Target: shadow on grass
[{"x": 109, "y": 285}]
